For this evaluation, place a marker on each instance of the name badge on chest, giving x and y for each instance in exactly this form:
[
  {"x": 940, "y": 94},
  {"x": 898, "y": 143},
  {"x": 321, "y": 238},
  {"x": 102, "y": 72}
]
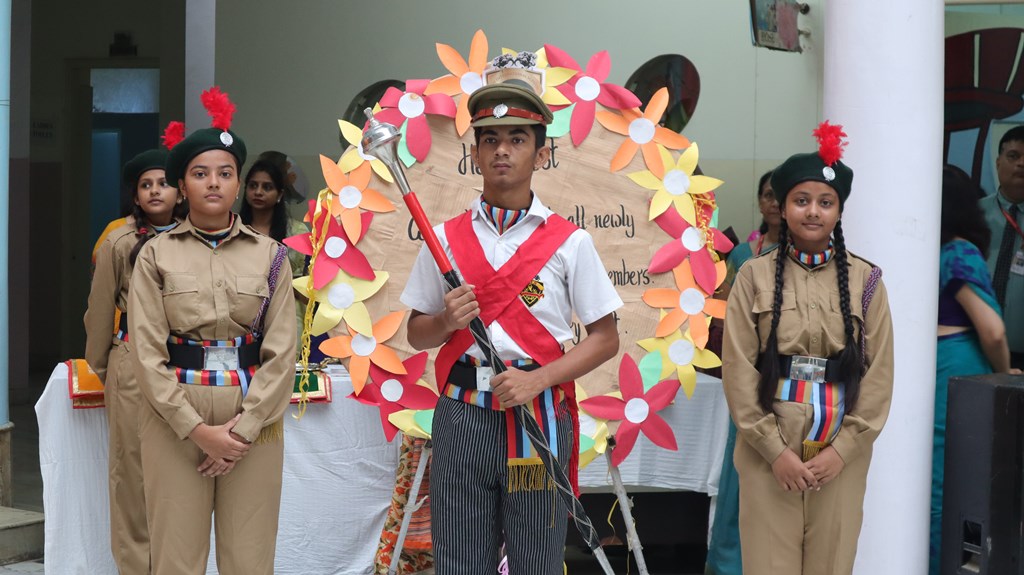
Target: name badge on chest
[{"x": 1017, "y": 265}]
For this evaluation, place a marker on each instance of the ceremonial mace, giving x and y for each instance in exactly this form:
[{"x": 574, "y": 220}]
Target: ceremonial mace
[{"x": 380, "y": 140}]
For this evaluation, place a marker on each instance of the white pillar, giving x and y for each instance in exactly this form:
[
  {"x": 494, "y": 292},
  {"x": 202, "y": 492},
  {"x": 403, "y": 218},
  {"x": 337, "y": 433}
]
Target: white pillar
[
  {"x": 883, "y": 76},
  {"x": 5, "y": 163},
  {"x": 200, "y": 40}
]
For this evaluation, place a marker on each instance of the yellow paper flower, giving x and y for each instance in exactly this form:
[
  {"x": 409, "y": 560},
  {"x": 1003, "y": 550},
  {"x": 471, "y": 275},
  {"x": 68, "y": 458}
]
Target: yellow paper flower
[
  {"x": 553, "y": 76},
  {"x": 677, "y": 185},
  {"x": 593, "y": 433},
  {"x": 355, "y": 156},
  {"x": 680, "y": 354},
  {"x": 342, "y": 299}
]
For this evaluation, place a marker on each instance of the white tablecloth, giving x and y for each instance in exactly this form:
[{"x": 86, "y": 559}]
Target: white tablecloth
[
  {"x": 339, "y": 473},
  {"x": 700, "y": 425},
  {"x": 338, "y": 478}
]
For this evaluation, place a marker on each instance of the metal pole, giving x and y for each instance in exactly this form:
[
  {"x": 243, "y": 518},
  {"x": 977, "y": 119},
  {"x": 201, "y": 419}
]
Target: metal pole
[
  {"x": 625, "y": 507},
  {"x": 5, "y": 163},
  {"x": 411, "y": 506}
]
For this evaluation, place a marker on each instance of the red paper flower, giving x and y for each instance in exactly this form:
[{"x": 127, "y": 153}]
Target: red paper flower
[
  {"x": 393, "y": 392},
  {"x": 412, "y": 106},
  {"x": 689, "y": 241},
  {"x": 338, "y": 252},
  {"x": 588, "y": 87},
  {"x": 637, "y": 410}
]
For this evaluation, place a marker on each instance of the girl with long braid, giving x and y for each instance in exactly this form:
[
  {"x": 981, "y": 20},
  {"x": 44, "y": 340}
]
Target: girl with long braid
[
  {"x": 158, "y": 206},
  {"x": 807, "y": 372}
]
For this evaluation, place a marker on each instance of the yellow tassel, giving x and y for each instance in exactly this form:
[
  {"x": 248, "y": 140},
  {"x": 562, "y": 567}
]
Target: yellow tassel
[
  {"x": 812, "y": 448},
  {"x": 528, "y": 474},
  {"x": 318, "y": 241},
  {"x": 271, "y": 433}
]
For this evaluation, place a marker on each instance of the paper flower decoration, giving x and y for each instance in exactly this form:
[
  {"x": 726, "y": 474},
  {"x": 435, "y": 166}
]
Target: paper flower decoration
[
  {"x": 680, "y": 354},
  {"x": 636, "y": 409},
  {"x": 687, "y": 302},
  {"x": 356, "y": 156},
  {"x": 593, "y": 433},
  {"x": 410, "y": 108},
  {"x": 586, "y": 88},
  {"x": 362, "y": 350},
  {"x": 642, "y": 132},
  {"x": 337, "y": 253},
  {"x": 465, "y": 78},
  {"x": 351, "y": 194},
  {"x": 342, "y": 299},
  {"x": 676, "y": 184},
  {"x": 690, "y": 241},
  {"x": 393, "y": 392}
]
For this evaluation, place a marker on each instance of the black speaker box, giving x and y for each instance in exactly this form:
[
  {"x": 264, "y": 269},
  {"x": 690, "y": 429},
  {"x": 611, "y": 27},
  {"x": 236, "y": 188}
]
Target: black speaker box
[{"x": 982, "y": 503}]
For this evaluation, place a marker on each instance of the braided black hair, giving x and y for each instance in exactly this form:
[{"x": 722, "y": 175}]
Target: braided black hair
[
  {"x": 768, "y": 364},
  {"x": 850, "y": 358}
]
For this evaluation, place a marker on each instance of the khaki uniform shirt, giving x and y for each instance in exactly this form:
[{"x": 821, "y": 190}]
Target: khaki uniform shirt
[
  {"x": 184, "y": 287},
  {"x": 108, "y": 295},
  {"x": 810, "y": 323}
]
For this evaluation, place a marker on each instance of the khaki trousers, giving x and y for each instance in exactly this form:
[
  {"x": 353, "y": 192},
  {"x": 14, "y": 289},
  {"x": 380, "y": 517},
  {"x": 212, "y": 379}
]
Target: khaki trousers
[
  {"x": 179, "y": 501},
  {"x": 798, "y": 533},
  {"x": 129, "y": 535}
]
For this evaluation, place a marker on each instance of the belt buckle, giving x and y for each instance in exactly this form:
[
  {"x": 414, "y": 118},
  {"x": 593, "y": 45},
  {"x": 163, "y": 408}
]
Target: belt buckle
[
  {"x": 483, "y": 378},
  {"x": 807, "y": 368},
  {"x": 220, "y": 359}
]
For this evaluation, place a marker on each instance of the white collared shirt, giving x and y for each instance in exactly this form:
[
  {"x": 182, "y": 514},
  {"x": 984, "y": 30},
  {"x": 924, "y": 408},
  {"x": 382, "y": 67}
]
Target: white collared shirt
[{"x": 574, "y": 279}]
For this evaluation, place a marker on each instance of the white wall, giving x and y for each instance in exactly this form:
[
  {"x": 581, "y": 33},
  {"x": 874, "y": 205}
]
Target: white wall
[{"x": 293, "y": 69}]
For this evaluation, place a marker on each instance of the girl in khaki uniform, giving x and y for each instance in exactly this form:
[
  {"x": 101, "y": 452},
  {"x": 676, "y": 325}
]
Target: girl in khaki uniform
[
  {"x": 807, "y": 371},
  {"x": 212, "y": 319},
  {"x": 158, "y": 207}
]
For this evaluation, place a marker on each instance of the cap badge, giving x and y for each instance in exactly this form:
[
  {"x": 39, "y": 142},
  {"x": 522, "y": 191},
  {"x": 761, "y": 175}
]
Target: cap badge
[
  {"x": 500, "y": 110},
  {"x": 226, "y": 139},
  {"x": 829, "y": 173}
]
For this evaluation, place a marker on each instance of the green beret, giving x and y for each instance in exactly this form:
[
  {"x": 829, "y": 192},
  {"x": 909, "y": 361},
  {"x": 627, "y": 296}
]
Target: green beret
[
  {"x": 811, "y": 168},
  {"x": 198, "y": 142},
  {"x": 148, "y": 160},
  {"x": 509, "y": 103}
]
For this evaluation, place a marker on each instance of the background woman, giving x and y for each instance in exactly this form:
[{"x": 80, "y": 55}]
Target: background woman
[
  {"x": 157, "y": 207},
  {"x": 268, "y": 189},
  {"x": 972, "y": 337},
  {"x": 212, "y": 319},
  {"x": 807, "y": 371}
]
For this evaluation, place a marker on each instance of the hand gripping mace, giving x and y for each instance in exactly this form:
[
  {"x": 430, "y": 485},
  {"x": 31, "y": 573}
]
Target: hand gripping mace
[{"x": 381, "y": 140}]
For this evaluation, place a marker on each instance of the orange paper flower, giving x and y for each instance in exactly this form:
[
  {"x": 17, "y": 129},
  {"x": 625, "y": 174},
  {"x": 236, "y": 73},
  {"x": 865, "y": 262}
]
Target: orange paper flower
[
  {"x": 351, "y": 193},
  {"x": 465, "y": 78},
  {"x": 363, "y": 350},
  {"x": 643, "y": 133},
  {"x": 687, "y": 302}
]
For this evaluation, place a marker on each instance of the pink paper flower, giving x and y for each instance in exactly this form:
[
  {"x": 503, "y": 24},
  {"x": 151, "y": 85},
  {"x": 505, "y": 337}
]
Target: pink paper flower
[
  {"x": 689, "y": 241},
  {"x": 338, "y": 252},
  {"x": 411, "y": 107},
  {"x": 393, "y": 392},
  {"x": 586, "y": 88},
  {"x": 637, "y": 410}
]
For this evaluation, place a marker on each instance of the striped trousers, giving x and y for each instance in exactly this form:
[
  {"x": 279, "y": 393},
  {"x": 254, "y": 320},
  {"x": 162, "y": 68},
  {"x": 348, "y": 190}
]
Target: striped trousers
[{"x": 473, "y": 512}]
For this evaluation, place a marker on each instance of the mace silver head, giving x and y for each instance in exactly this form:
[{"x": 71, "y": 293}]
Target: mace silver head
[{"x": 380, "y": 140}]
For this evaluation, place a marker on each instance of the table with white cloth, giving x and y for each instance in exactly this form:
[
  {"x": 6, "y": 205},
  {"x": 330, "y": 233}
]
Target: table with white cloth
[{"x": 339, "y": 475}]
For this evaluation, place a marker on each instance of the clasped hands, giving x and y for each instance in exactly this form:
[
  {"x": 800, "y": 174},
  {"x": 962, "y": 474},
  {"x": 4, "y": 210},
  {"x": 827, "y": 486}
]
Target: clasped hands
[
  {"x": 223, "y": 447},
  {"x": 793, "y": 474}
]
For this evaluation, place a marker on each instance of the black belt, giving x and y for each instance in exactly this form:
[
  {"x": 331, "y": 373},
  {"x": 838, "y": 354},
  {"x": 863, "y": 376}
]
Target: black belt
[
  {"x": 194, "y": 356},
  {"x": 464, "y": 374},
  {"x": 832, "y": 372}
]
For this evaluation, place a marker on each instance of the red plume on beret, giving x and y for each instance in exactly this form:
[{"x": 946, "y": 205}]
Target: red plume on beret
[
  {"x": 219, "y": 107},
  {"x": 830, "y": 142},
  {"x": 174, "y": 133}
]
